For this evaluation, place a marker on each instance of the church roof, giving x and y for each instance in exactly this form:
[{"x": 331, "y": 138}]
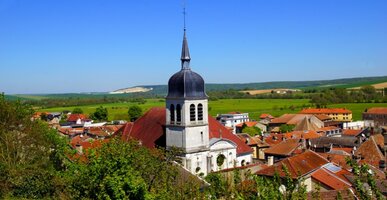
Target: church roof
[{"x": 150, "y": 130}]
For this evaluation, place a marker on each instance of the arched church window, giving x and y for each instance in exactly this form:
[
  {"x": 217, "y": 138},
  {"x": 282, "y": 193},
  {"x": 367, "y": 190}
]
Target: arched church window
[
  {"x": 178, "y": 113},
  {"x": 192, "y": 114},
  {"x": 172, "y": 111},
  {"x": 200, "y": 111}
]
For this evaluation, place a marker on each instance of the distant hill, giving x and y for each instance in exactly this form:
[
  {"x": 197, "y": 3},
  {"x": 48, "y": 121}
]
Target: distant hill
[
  {"x": 131, "y": 90},
  {"x": 150, "y": 91},
  {"x": 341, "y": 83}
]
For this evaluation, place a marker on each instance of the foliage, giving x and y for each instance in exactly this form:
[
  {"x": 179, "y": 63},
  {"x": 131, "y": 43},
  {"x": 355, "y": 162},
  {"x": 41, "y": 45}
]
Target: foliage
[
  {"x": 134, "y": 112},
  {"x": 77, "y": 111},
  {"x": 365, "y": 181},
  {"x": 28, "y": 153},
  {"x": 100, "y": 114},
  {"x": 252, "y": 131},
  {"x": 366, "y": 94},
  {"x": 255, "y": 187},
  {"x": 284, "y": 128}
]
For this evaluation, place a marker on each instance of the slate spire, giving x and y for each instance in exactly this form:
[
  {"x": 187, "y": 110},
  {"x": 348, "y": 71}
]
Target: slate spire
[{"x": 185, "y": 57}]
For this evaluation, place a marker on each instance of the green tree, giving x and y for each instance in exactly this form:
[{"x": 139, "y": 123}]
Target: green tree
[
  {"x": 77, "y": 111},
  {"x": 134, "y": 112},
  {"x": 252, "y": 131},
  {"x": 100, "y": 114},
  {"x": 284, "y": 128},
  {"x": 29, "y": 154}
]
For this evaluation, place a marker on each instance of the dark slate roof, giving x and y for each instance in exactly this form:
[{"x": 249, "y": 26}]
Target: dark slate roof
[{"x": 186, "y": 84}]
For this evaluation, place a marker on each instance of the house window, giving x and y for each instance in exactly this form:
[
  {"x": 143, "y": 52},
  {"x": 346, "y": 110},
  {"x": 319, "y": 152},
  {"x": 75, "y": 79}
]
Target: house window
[
  {"x": 178, "y": 113},
  {"x": 192, "y": 114},
  {"x": 172, "y": 111},
  {"x": 200, "y": 112}
]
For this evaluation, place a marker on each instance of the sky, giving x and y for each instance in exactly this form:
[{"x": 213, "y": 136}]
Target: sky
[{"x": 62, "y": 46}]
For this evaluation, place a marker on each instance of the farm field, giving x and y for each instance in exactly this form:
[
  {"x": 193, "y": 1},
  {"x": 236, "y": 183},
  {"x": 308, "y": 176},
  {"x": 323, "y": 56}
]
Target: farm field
[{"x": 254, "y": 107}]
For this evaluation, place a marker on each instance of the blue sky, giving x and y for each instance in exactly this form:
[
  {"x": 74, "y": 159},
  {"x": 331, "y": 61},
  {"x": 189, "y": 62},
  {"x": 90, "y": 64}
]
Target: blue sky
[{"x": 63, "y": 46}]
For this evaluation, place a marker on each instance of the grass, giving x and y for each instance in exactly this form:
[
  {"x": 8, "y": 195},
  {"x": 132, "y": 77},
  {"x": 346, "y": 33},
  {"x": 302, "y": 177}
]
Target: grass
[{"x": 255, "y": 107}]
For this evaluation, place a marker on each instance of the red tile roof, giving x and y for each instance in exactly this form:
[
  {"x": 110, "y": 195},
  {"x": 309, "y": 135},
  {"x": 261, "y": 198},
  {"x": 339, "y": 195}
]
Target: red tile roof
[
  {"x": 323, "y": 117},
  {"x": 248, "y": 124},
  {"x": 77, "y": 140},
  {"x": 338, "y": 159},
  {"x": 302, "y": 134},
  {"x": 351, "y": 132},
  {"x": 329, "y": 179},
  {"x": 285, "y": 148},
  {"x": 298, "y": 165},
  {"x": 150, "y": 130},
  {"x": 273, "y": 139},
  {"x": 75, "y": 117},
  {"x": 328, "y": 128},
  {"x": 370, "y": 152},
  {"x": 247, "y": 139},
  {"x": 215, "y": 127},
  {"x": 345, "y": 149},
  {"x": 325, "y": 111},
  {"x": 377, "y": 110},
  {"x": 283, "y": 119},
  {"x": 266, "y": 115}
]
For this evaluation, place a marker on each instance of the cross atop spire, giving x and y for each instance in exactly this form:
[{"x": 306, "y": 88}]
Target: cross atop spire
[{"x": 185, "y": 57}]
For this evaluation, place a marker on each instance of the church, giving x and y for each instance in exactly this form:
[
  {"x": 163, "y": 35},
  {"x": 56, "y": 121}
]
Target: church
[{"x": 185, "y": 123}]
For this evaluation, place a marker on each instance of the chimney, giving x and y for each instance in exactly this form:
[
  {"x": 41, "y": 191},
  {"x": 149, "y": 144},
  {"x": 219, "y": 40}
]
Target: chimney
[{"x": 270, "y": 160}]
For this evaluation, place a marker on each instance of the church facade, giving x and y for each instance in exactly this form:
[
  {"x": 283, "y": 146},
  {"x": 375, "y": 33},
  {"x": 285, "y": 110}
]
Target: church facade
[{"x": 206, "y": 144}]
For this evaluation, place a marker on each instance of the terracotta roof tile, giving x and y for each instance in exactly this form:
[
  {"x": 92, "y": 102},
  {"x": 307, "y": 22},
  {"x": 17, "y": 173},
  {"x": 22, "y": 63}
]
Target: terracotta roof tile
[
  {"x": 370, "y": 152},
  {"x": 248, "y": 124},
  {"x": 266, "y": 115},
  {"x": 322, "y": 117},
  {"x": 329, "y": 179},
  {"x": 338, "y": 159},
  {"x": 298, "y": 165},
  {"x": 302, "y": 135},
  {"x": 273, "y": 139},
  {"x": 285, "y": 148},
  {"x": 377, "y": 110},
  {"x": 325, "y": 110},
  {"x": 351, "y": 132},
  {"x": 75, "y": 117}
]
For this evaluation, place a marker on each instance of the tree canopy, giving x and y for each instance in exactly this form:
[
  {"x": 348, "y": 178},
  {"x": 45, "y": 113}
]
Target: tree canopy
[
  {"x": 134, "y": 112},
  {"x": 100, "y": 114}
]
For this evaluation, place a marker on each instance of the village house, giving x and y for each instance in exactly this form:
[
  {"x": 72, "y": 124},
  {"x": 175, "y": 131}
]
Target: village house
[
  {"x": 377, "y": 115},
  {"x": 313, "y": 169},
  {"x": 299, "y": 121},
  {"x": 231, "y": 119},
  {"x": 336, "y": 114}
]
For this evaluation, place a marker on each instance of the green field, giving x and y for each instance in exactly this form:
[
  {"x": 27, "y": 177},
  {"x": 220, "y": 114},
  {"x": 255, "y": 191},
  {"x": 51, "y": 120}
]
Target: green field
[{"x": 254, "y": 107}]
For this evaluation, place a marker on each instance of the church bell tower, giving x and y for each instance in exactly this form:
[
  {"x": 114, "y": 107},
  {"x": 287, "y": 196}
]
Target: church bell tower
[{"x": 187, "y": 115}]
